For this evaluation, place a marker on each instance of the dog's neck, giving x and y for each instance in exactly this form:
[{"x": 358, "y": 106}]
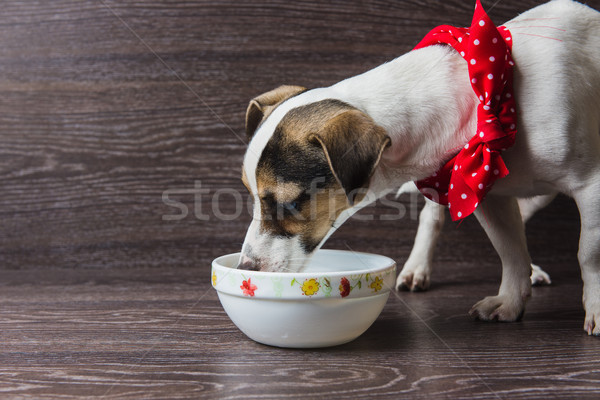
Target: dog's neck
[{"x": 425, "y": 102}]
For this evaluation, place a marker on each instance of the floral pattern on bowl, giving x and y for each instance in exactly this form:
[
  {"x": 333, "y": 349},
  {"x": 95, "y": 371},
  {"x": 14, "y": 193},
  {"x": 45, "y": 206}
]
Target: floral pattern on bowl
[{"x": 357, "y": 281}]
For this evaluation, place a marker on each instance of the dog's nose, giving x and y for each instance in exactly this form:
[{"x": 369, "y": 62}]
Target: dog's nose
[{"x": 248, "y": 265}]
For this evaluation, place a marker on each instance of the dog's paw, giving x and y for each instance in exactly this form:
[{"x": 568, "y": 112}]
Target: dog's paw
[
  {"x": 592, "y": 321},
  {"x": 498, "y": 308},
  {"x": 591, "y": 326},
  {"x": 539, "y": 277},
  {"x": 413, "y": 279}
]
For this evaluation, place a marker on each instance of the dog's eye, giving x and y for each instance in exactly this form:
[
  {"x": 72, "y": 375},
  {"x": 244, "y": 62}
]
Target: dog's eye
[{"x": 292, "y": 206}]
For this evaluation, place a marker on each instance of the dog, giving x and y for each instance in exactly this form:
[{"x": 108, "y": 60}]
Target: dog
[{"x": 315, "y": 157}]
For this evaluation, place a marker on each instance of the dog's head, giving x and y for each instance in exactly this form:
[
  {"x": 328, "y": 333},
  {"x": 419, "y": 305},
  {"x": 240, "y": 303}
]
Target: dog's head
[{"x": 309, "y": 160}]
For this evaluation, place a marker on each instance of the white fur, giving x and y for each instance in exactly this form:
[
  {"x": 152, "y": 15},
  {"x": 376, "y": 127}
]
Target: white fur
[{"x": 425, "y": 103}]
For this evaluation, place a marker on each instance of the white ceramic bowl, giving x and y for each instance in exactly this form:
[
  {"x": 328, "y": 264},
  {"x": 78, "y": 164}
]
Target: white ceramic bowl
[{"x": 332, "y": 301}]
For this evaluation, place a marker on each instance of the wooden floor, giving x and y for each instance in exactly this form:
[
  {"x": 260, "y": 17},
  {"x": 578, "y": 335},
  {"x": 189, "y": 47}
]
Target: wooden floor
[
  {"x": 161, "y": 333},
  {"x": 116, "y": 115}
]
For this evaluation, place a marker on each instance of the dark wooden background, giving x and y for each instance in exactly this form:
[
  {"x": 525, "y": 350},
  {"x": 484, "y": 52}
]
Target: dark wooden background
[{"x": 106, "y": 107}]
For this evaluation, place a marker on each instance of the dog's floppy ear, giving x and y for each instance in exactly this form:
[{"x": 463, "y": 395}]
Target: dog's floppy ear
[
  {"x": 262, "y": 105},
  {"x": 353, "y": 145}
]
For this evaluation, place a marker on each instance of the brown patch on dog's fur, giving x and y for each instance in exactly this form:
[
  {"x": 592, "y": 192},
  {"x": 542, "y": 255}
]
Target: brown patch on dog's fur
[
  {"x": 315, "y": 214},
  {"x": 353, "y": 145},
  {"x": 301, "y": 122},
  {"x": 280, "y": 191},
  {"x": 245, "y": 180},
  {"x": 262, "y": 106},
  {"x": 287, "y": 192},
  {"x": 328, "y": 206}
]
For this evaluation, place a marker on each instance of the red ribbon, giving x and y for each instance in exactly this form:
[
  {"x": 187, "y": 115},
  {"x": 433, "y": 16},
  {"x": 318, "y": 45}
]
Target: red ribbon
[{"x": 463, "y": 182}]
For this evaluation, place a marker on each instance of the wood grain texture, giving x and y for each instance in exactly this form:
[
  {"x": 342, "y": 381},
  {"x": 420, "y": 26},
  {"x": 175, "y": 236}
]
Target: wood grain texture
[
  {"x": 106, "y": 107},
  {"x": 127, "y": 334}
]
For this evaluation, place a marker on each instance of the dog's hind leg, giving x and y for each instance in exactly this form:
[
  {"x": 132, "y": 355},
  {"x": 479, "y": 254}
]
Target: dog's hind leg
[
  {"x": 501, "y": 220},
  {"x": 531, "y": 205},
  {"x": 528, "y": 207},
  {"x": 415, "y": 275},
  {"x": 417, "y": 269},
  {"x": 588, "y": 202}
]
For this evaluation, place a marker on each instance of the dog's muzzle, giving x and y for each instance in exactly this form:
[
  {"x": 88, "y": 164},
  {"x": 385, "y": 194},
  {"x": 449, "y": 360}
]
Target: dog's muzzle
[{"x": 247, "y": 264}]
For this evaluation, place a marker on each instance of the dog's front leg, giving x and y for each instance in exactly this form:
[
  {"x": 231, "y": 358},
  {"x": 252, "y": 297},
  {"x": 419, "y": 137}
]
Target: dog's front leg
[
  {"x": 416, "y": 273},
  {"x": 501, "y": 220}
]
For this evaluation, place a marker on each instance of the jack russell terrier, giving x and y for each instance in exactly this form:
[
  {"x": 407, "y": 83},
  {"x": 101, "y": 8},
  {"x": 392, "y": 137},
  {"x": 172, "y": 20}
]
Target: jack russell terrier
[{"x": 445, "y": 116}]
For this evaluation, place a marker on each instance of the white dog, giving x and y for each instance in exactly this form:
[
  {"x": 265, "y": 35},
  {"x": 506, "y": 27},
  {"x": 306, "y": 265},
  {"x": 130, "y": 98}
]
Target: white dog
[{"x": 312, "y": 151}]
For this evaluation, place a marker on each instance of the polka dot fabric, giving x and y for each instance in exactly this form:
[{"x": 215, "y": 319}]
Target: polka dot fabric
[{"x": 463, "y": 182}]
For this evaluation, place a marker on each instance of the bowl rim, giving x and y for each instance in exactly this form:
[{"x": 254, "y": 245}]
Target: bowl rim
[
  {"x": 389, "y": 264},
  {"x": 310, "y": 285}
]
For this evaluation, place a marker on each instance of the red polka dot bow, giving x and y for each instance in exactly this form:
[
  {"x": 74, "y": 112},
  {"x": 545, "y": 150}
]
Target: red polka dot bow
[{"x": 463, "y": 182}]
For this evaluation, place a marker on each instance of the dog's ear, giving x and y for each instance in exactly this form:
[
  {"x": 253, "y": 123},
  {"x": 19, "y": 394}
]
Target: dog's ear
[
  {"x": 261, "y": 106},
  {"x": 353, "y": 145}
]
